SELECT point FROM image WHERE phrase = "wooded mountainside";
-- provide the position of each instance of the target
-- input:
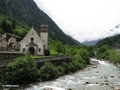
(27, 15)
(112, 42)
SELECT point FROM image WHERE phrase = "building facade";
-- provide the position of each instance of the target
(12, 41)
(36, 45)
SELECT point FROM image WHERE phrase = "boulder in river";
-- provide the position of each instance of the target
(86, 83)
(47, 88)
(116, 88)
(101, 83)
(106, 81)
(97, 72)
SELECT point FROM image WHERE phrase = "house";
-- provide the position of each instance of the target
(12, 41)
(35, 44)
(3, 44)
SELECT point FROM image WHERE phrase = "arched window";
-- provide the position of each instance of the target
(32, 39)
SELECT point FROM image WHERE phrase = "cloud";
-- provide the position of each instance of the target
(84, 19)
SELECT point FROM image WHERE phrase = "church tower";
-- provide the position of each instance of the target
(44, 33)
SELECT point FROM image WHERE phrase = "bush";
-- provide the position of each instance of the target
(85, 55)
(48, 71)
(21, 70)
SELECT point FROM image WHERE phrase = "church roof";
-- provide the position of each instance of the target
(32, 33)
(1, 38)
(31, 44)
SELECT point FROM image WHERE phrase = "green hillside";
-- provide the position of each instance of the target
(111, 42)
(27, 14)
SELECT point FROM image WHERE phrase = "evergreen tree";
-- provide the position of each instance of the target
(4, 25)
(13, 24)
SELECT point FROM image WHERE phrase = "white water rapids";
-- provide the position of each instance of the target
(103, 76)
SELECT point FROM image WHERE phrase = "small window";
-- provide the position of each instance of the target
(23, 49)
(39, 50)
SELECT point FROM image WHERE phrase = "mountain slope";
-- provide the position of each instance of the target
(112, 41)
(90, 43)
(27, 11)
(74, 40)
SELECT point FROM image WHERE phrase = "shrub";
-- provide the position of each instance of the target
(48, 71)
(21, 70)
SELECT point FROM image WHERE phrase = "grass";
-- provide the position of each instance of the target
(53, 52)
(39, 56)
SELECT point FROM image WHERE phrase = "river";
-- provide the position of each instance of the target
(103, 76)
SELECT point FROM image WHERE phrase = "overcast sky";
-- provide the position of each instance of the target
(84, 19)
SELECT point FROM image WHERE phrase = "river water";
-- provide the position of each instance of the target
(103, 76)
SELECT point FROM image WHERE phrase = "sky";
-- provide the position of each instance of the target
(84, 20)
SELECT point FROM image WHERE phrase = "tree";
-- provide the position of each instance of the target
(13, 24)
(21, 70)
(4, 25)
(59, 47)
(9, 29)
(84, 54)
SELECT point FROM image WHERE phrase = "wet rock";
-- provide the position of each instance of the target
(97, 72)
(105, 77)
(47, 88)
(69, 89)
(111, 85)
(101, 77)
(106, 81)
(94, 67)
(86, 83)
(112, 76)
(118, 76)
(101, 83)
(116, 88)
(96, 83)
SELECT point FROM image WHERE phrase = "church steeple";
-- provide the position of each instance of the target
(44, 33)
(44, 26)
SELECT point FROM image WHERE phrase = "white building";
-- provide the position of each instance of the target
(36, 45)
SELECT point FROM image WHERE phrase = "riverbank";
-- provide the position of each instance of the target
(100, 75)
(109, 61)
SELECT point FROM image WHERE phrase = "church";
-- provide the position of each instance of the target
(35, 44)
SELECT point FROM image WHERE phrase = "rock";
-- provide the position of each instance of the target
(94, 67)
(112, 76)
(101, 83)
(47, 88)
(97, 72)
(105, 77)
(96, 83)
(111, 85)
(101, 77)
(86, 83)
(106, 81)
(116, 88)
(69, 89)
